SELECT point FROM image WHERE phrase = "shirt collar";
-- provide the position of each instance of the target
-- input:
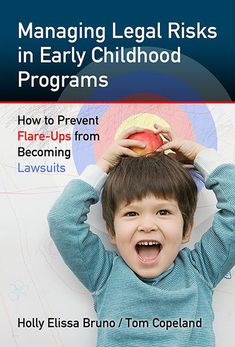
(156, 279)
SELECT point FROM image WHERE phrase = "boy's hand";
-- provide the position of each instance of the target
(185, 150)
(121, 147)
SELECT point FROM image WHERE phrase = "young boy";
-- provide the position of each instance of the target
(150, 293)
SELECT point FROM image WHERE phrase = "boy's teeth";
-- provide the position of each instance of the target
(148, 243)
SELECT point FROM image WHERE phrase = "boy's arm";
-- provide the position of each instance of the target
(81, 250)
(214, 254)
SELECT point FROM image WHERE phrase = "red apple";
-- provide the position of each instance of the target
(149, 138)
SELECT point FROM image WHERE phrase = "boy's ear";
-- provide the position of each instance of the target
(188, 233)
(112, 237)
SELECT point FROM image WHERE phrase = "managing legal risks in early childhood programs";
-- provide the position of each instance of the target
(47, 36)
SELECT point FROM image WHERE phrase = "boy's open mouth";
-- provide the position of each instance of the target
(148, 251)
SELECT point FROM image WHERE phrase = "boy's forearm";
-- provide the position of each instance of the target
(81, 249)
(207, 160)
(95, 176)
(214, 254)
(217, 245)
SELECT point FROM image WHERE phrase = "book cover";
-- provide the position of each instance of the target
(73, 77)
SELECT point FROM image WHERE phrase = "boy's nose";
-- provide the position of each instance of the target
(147, 226)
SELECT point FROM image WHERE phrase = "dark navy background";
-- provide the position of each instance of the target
(217, 55)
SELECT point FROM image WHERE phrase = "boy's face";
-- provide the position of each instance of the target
(148, 234)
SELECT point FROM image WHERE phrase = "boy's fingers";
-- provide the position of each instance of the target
(162, 129)
(169, 145)
(166, 132)
(131, 143)
(127, 132)
(128, 152)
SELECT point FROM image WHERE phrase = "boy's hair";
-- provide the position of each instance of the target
(158, 175)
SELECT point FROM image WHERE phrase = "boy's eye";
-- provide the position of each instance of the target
(163, 212)
(131, 214)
